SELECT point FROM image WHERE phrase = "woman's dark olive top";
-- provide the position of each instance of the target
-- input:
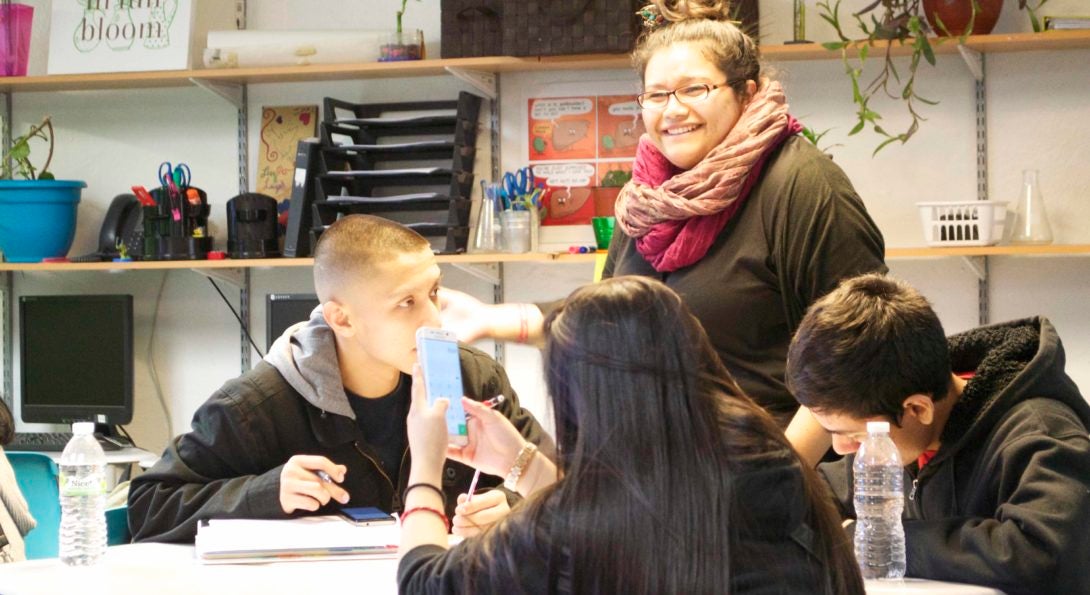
(801, 231)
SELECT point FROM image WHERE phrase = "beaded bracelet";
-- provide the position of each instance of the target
(442, 496)
(436, 512)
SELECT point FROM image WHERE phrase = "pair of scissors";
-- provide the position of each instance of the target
(182, 175)
(167, 179)
(179, 175)
(520, 183)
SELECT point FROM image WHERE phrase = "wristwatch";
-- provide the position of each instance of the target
(521, 462)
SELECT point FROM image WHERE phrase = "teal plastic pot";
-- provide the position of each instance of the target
(37, 218)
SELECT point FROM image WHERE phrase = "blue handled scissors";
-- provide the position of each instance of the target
(179, 175)
(520, 183)
(182, 175)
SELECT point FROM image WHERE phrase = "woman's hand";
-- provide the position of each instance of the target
(426, 428)
(471, 517)
(494, 442)
(301, 488)
(464, 314)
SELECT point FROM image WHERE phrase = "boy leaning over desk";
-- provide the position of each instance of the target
(331, 397)
(996, 454)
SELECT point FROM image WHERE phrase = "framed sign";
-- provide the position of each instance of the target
(119, 35)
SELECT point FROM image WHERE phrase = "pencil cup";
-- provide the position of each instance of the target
(603, 231)
(516, 231)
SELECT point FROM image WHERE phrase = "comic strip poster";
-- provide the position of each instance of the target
(582, 147)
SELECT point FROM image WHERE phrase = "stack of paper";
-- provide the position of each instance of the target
(237, 541)
(1066, 23)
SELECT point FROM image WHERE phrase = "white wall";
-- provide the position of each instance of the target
(1037, 116)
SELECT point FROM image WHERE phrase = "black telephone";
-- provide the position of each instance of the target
(124, 220)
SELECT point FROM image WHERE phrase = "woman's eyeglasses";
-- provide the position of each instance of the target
(687, 95)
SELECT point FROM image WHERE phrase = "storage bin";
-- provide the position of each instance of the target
(471, 28)
(555, 27)
(969, 223)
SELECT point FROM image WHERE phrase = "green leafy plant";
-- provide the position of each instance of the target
(17, 159)
(401, 13)
(815, 138)
(900, 23)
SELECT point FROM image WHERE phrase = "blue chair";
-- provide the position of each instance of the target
(36, 475)
(117, 526)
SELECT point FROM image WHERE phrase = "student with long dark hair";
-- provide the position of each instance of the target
(668, 478)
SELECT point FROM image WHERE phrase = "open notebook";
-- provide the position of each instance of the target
(240, 541)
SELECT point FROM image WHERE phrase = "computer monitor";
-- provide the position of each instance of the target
(285, 309)
(76, 358)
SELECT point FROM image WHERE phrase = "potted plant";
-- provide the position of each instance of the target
(900, 22)
(402, 46)
(37, 212)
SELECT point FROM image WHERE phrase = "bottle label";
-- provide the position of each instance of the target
(90, 485)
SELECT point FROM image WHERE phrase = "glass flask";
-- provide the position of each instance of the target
(1031, 219)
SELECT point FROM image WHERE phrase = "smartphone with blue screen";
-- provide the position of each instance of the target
(437, 350)
(367, 515)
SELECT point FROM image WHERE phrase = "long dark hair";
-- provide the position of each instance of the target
(651, 430)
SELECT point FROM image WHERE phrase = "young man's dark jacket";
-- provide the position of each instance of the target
(1005, 502)
(291, 403)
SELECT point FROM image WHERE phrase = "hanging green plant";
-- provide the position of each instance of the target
(898, 22)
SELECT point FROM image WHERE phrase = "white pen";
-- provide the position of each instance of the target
(490, 403)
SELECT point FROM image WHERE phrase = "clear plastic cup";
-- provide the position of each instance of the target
(516, 231)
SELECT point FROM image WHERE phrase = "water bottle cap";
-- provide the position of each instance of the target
(83, 427)
(877, 427)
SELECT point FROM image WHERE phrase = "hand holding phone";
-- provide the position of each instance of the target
(366, 515)
(437, 350)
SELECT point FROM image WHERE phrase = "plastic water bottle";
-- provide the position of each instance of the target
(879, 501)
(83, 498)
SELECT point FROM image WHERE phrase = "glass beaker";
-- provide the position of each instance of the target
(1031, 220)
(486, 225)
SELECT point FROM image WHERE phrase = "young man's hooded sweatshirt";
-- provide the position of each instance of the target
(1005, 502)
(291, 403)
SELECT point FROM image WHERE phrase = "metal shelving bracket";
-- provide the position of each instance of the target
(977, 265)
(485, 82)
(487, 272)
(974, 60)
(232, 92)
(235, 277)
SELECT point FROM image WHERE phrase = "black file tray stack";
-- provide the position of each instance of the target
(411, 168)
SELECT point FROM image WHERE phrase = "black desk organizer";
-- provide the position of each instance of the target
(167, 239)
(378, 170)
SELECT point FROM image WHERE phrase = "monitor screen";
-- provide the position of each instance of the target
(76, 358)
(285, 309)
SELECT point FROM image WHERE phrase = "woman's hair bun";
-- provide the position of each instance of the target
(663, 12)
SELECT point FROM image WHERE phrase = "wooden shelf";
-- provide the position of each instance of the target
(1016, 42)
(252, 263)
(542, 257)
(1012, 250)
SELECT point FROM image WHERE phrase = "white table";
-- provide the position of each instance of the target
(162, 569)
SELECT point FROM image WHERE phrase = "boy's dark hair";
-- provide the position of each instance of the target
(865, 347)
(353, 244)
(7, 423)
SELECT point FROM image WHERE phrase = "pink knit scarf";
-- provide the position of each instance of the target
(675, 215)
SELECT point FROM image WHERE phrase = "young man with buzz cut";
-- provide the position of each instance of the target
(330, 398)
(991, 430)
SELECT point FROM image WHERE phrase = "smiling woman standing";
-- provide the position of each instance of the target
(728, 205)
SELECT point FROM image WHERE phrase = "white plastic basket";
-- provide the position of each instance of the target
(969, 223)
